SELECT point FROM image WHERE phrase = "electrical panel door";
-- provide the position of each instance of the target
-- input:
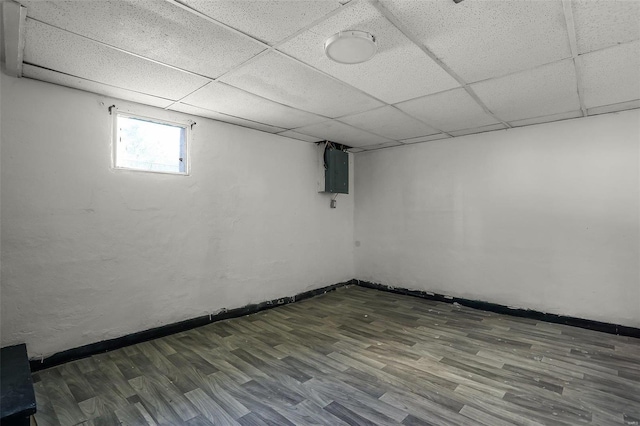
(336, 174)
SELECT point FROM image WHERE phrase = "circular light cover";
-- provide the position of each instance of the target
(350, 47)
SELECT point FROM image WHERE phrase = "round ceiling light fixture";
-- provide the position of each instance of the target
(350, 47)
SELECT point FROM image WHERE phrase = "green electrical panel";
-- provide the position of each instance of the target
(336, 173)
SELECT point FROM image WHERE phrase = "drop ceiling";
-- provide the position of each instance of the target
(442, 69)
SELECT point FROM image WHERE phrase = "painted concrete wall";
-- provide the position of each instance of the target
(89, 253)
(544, 217)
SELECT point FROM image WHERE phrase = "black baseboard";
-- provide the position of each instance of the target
(165, 330)
(605, 327)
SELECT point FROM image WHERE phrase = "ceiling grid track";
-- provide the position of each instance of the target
(110, 46)
(249, 93)
(404, 30)
(211, 79)
(266, 45)
(177, 101)
(274, 48)
(93, 81)
(425, 122)
(401, 111)
(286, 128)
(329, 76)
(247, 62)
(267, 48)
(209, 19)
(519, 71)
(216, 22)
(318, 21)
(573, 43)
(351, 87)
(365, 131)
(236, 117)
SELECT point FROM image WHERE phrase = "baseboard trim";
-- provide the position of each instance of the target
(604, 327)
(165, 330)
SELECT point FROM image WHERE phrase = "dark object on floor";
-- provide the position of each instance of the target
(17, 400)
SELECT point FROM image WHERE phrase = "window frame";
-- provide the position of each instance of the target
(187, 126)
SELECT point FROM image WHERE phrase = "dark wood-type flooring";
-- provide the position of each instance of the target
(355, 356)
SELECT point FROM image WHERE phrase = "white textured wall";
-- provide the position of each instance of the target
(89, 253)
(543, 217)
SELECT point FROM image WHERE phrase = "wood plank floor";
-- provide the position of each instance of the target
(355, 356)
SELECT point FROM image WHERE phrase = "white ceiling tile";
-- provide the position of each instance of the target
(614, 108)
(54, 77)
(547, 118)
(201, 112)
(154, 29)
(270, 21)
(382, 145)
(545, 90)
(232, 101)
(482, 39)
(425, 138)
(452, 110)
(482, 129)
(396, 57)
(62, 51)
(284, 80)
(336, 131)
(389, 122)
(300, 136)
(612, 75)
(355, 150)
(603, 23)
(513, 53)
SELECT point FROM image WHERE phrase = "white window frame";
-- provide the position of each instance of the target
(114, 141)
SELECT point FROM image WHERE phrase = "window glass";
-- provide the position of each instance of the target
(150, 146)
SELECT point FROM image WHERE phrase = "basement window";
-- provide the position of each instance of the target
(150, 145)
